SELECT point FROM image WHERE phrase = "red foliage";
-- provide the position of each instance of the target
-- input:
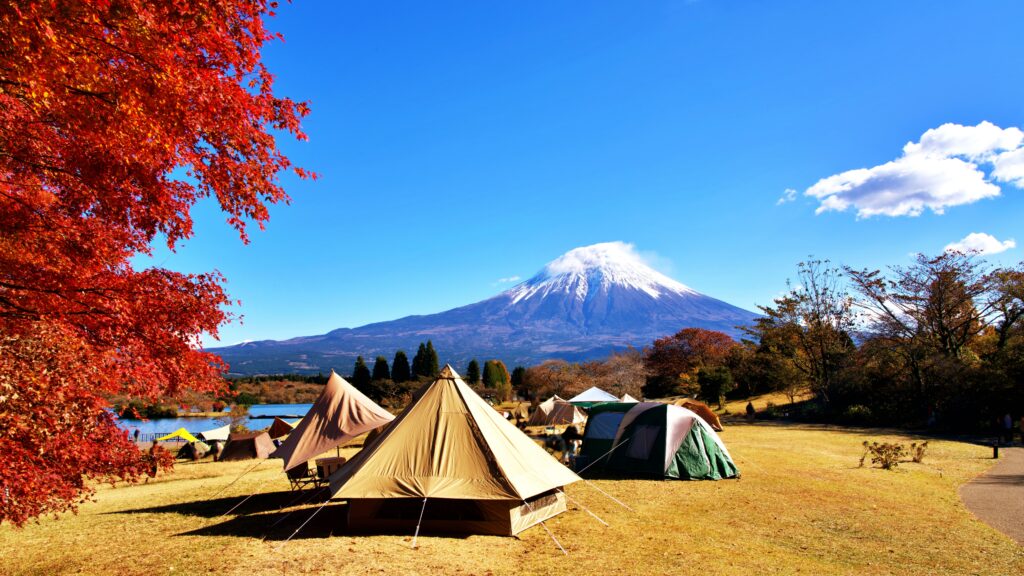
(688, 350)
(116, 117)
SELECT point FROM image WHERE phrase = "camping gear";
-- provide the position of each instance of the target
(702, 410)
(179, 433)
(301, 476)
(651, 439)
(339, 414)
(280, 428)
(555, 411)
(521, 411)
(450, 463)
(592, 396)
(246, 446)
(193, 450)
(221, 434)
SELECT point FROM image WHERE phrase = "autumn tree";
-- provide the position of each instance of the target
(400, 368)
(673, 361)
(380, 369)
(116, 118)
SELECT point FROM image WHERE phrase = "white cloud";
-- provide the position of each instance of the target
(508, 279)
(941, 170)
(981, 243)
(788, 195)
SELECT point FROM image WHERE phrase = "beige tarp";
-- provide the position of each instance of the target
(281, 427)
(340, 414)
(554, 412)
(179, 433)
(448, 443)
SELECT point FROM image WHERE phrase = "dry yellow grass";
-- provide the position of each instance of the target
(802, 506)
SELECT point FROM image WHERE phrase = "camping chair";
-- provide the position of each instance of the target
(301, 476)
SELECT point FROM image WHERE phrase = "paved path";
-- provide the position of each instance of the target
(997, 497)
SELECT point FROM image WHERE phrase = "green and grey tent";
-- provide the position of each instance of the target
(654, 440)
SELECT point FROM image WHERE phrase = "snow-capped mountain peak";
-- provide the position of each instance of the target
(598, 267)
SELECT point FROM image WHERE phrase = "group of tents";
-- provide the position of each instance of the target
(450, 462)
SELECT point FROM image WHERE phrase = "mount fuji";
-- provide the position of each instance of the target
(581, 306)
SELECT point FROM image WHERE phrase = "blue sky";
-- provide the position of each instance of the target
(462, 143)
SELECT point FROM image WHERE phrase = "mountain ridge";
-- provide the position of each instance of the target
(580, 306)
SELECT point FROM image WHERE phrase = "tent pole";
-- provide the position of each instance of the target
(303, 525)
(576, 502)
(418, 523)
(236, 480)
(548, 530)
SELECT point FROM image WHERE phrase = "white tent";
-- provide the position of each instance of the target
(628, 398)
(593, 394)
(221, 433)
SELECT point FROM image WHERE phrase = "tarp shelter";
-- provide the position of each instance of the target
(628, 398)
(221, 433)
(555, 411)
(451, 457)
(179, 433)
(651, 439)
(702, 410)
(521, 411)
(340, 414)
(280, 428)
(246, 446)
(592, 396)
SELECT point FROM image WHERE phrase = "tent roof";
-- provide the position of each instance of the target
(593, 394)
(221, 433)
(179, 433)
(340, 414)
(280, 427)
(448, 443)
(628, 398)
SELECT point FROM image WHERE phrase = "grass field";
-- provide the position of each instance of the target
(802, 507)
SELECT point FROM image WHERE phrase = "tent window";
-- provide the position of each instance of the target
(642, 441)
(604, 425)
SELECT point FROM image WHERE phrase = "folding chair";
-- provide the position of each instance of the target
(301, 476)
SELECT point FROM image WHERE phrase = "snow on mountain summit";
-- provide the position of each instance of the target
(598, 267)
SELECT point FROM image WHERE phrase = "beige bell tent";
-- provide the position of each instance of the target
(340, 414)
(453, 461)
(555, 412)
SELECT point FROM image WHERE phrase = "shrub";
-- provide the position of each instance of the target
(857, 414)
(885, 454)
(917, 451)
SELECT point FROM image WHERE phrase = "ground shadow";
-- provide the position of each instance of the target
(256, 503)
(999, 480)
(315, 522)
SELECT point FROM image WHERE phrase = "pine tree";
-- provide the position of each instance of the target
(380, 369)
(473, 372)
(432, 367)
(400, 368)
(361, 375)
(518, 376)
(419, 361)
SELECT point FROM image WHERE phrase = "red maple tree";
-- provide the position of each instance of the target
(116, 117)
(687, 351)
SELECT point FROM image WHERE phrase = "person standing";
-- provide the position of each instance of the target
(1008, 428)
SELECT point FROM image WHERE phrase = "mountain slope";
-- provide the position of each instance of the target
(580, 306)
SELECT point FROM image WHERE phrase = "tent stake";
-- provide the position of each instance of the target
(302, 525)
(576, 502)
(418, 523)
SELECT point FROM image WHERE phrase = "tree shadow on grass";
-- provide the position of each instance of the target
(212, 508)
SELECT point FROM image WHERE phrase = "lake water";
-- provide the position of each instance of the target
(260, 416)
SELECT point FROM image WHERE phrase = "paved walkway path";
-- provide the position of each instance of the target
(997, 497)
